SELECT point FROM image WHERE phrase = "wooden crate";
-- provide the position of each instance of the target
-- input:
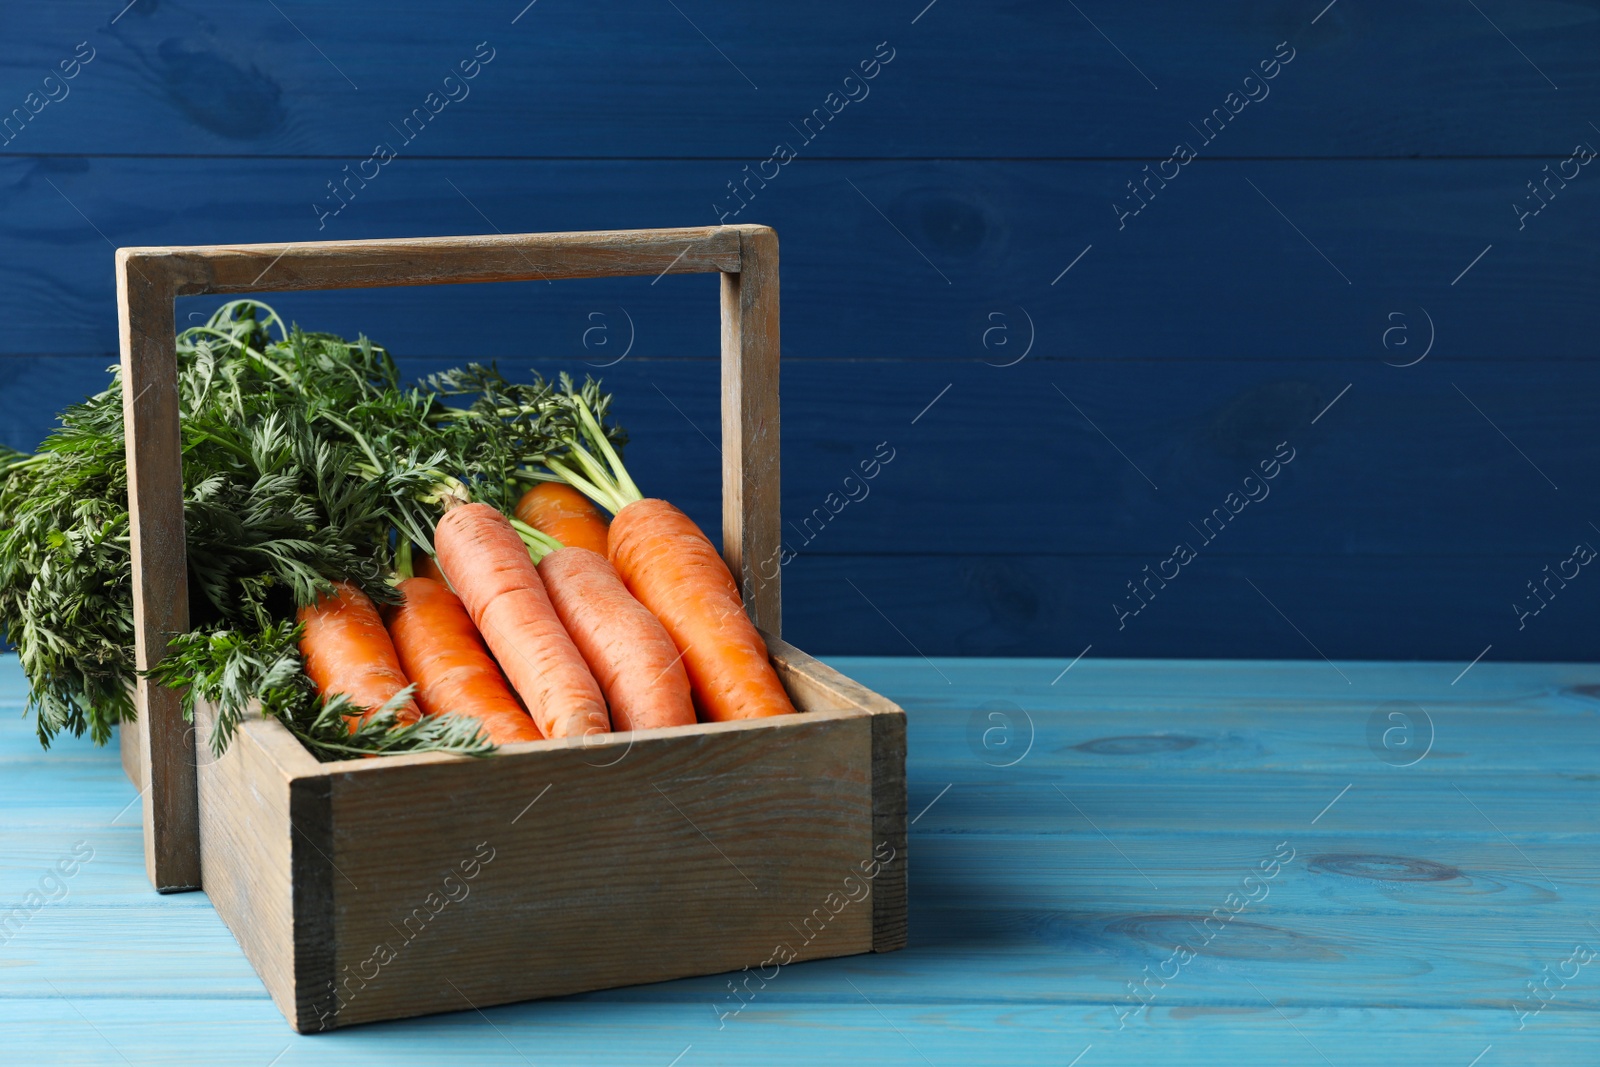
(382, 888)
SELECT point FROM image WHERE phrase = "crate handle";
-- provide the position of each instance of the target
(149, 279)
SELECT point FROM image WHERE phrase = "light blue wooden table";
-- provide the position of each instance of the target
(1071, 832)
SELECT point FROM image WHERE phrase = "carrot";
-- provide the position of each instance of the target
(565, 514)
(491, 571)
(443, 654)
(638, 667)
(427, 567)
(671, 567)
(346, 650)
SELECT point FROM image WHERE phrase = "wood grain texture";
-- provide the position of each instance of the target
(160, 576)
(1250, 340)
(1397, 144)
(752, 525)
(1234, 280)
(310, 945)
(628, 80)
(1399, 462)
(1029, 918)
(440, 260)
(566, 869)
(821, 683)
(561, 868)
(1401, 465)
(260, 869)
(130, 749)
(566, 1032)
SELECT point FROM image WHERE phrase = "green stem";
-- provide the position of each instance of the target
(539, 544)
(31, 461)
(606, 483)
(360, 440)
(230, 446)
(630, 490)
(260, 357)
(584, 486)
(276, 369)
(594, 469)
(448, 490)
(225, 313)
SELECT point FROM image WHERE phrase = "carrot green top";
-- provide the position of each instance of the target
(603, 480)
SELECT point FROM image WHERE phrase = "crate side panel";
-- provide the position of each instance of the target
(128, 749)
(546, 873)
(317, 993)
(814, 686)
(890, 905)
(245, 853)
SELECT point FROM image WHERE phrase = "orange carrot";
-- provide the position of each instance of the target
(565, 514)
(346, 650)
(427, 567)
(670, 566)
(638, 667)
(443, 654)
(490, 569)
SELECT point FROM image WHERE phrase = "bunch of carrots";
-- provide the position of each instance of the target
(367, 562)
(553, 622)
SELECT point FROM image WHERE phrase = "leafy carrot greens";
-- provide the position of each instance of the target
(305, 460)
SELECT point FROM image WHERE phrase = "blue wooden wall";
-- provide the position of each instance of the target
(1079, 268)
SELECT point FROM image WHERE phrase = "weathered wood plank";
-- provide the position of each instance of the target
(160, 578)
(251, 827)
(1404, 922)
(1026, 920)
(1348, 607)
(130, 747)
(715, 851)
(441, 260)
(1232, 280)
(1026, 801)
(812, 681)
(752, 525)
(1401, 466)
(239, 1034)
(1425, 77)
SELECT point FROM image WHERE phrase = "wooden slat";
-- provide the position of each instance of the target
(442, 260)
(580, 82)
(791, 1029)
(1403, 488)
(1027, 902)
(997, 604)
(818, 682)
(160, 579)
(310, 945)
(691, 853)
(1029, 921)
(1401, 466)
(751, 521)
(130, 748)
(249, 801)
(1234, 281)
